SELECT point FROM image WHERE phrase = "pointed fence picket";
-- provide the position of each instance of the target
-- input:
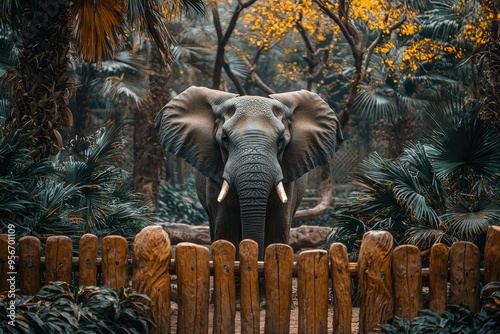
(389, 279)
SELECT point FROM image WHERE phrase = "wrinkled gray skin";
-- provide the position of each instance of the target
(253, 143)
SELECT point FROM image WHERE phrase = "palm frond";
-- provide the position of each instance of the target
(376, 197)
(412, 195)
(18, 177)
(375, 103)
(424, 236)
(347, 230)
(426, 87)
(416, 159)
(77, 172)
(156, 24)
(115, 88)
(4, 110)
(472, 219)
(186, 6)
(440, 21)
(124, 62)
(466, 150)
(108, 146)
(123, 77)
(99, 25)
(9, 14)
(193, 55)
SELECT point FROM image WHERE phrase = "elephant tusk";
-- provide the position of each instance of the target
(281, 192)
(223, 191)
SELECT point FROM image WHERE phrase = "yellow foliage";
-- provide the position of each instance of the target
(271, 21)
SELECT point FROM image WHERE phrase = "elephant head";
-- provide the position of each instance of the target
(248, 144)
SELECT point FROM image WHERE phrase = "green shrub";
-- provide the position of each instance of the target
(60, 308)
(179, 203)
(455, 319)
(444, 188)
(83, 189)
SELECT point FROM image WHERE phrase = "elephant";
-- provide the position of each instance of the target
(251, 154)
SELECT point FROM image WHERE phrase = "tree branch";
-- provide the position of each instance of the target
(326, 188)
(268, 90)
(376, 41)
(234, 79)
(343, 28)
(224, 39)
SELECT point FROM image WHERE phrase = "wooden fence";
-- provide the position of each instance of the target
(389, 279)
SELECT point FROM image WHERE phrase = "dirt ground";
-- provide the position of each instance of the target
(294, 320)
(294, 317)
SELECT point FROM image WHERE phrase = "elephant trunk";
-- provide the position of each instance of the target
(253, 218)
(253, 190)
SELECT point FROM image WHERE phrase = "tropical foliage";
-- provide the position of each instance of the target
(61, 308)
(455, 319)
(441, 189)
(488, 59)
(179, 204)
(82, 190)
(46, 30)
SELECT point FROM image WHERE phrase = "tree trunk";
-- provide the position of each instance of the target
(326, 189)
(41, 89)
(148, 153)
(83, 99)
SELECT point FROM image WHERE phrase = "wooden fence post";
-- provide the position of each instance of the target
(464, 274)
(152, 255)
(58, 259)
(193, 280)
(407, 277)
(223, 257)
(29, 265)
(87, 274)
(492, 255)
(278, 270)
(375, 280)
(341, 286)
(114, 261)
(438, 277)
(313, 294)
(249, 279)
(4, 265)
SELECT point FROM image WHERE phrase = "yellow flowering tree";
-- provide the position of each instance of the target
(395, 39)
(321, 25)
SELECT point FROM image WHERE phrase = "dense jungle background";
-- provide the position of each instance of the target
(414, 83)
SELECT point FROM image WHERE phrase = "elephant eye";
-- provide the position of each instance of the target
(225, 141)
(281, 141)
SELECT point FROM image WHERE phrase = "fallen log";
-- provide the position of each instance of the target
(302, 237)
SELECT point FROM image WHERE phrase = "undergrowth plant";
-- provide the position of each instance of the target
(444, 188)
(83, 189)
(179, 203)
(61, 308)
(455, 318)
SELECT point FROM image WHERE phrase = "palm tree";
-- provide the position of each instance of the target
(81, 190)
(8, 61)
(489, 67)
(443, 189)
(148, 152)
(122, 78)
(45, 28)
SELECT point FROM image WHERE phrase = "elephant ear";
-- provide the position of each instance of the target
(185, 127)
(315, 133)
